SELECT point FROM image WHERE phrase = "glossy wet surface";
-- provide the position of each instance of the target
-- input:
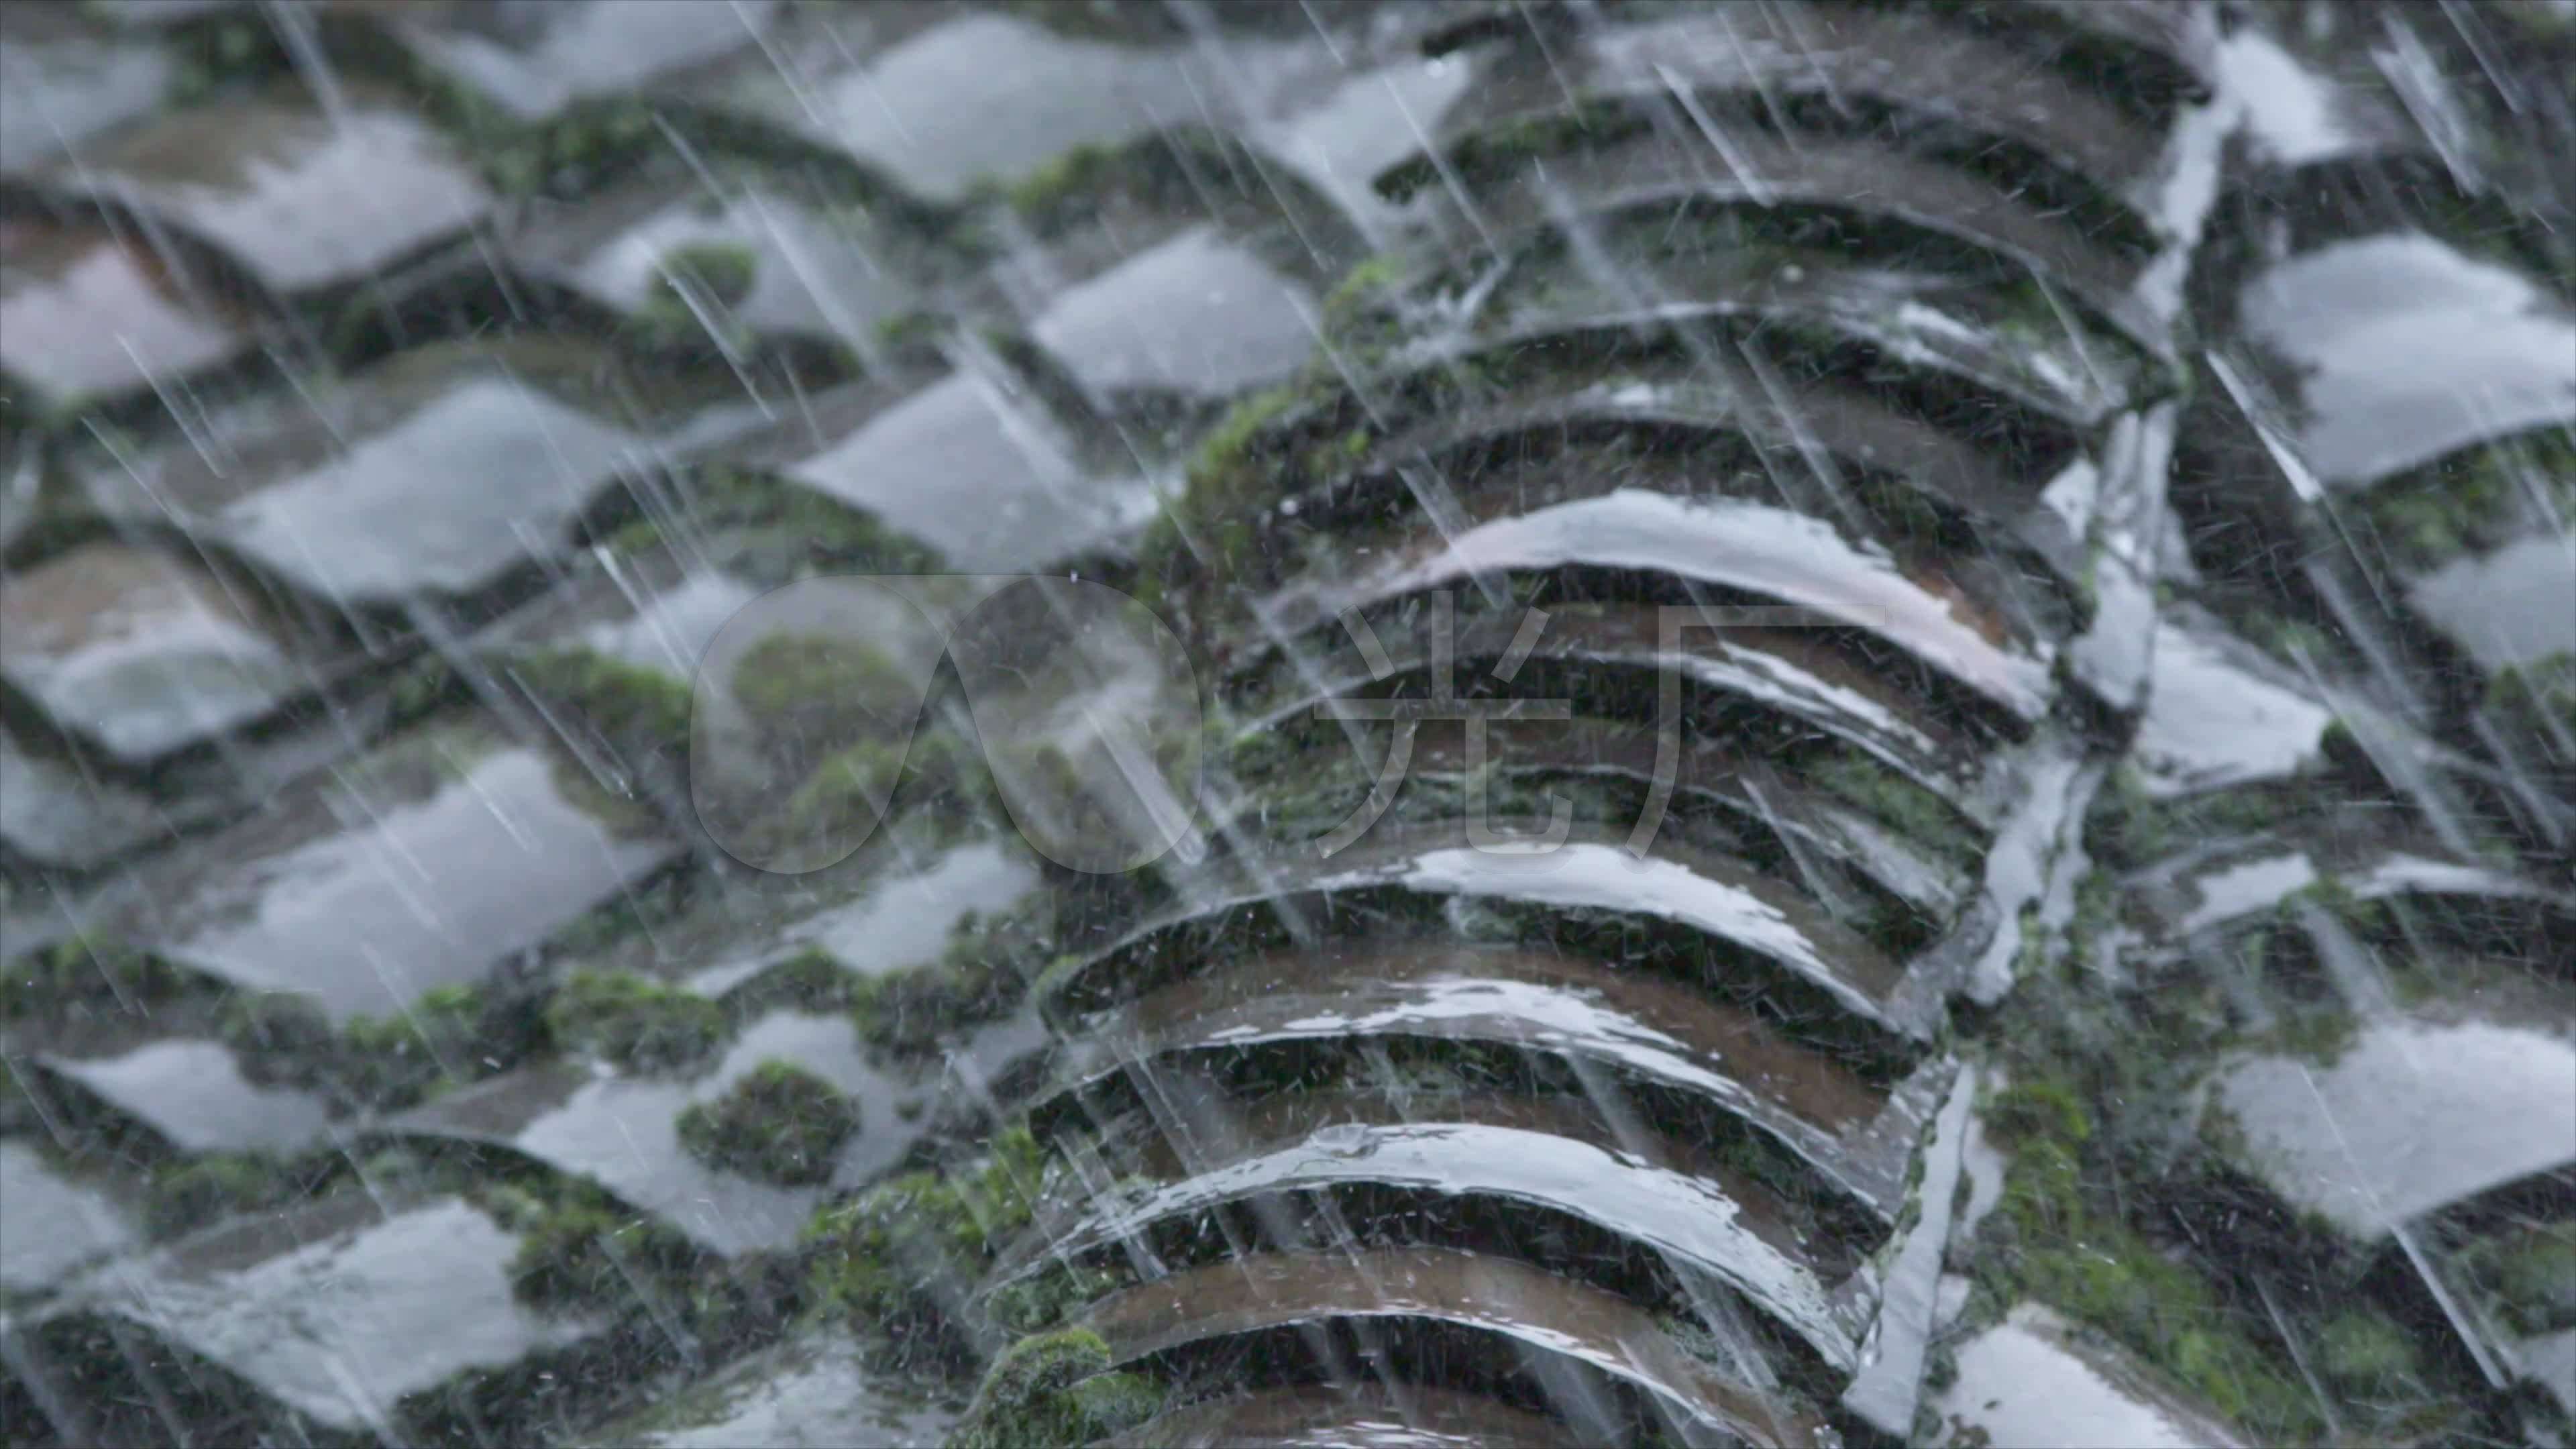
(537, 56)
(54, 1226)
(1675, 882)
(63, 82)
(1795, 558)
(341, 1309)
(1637, 1185)
(981, 475)
(2029, 1383)
(90, 314)
(53, 814)
(1657, 1030)
(811, 271)
(1195, 315)
(423, 480)
(303, 199)
(578, 347)
(1314, 1418)
(623, 1133)
(193, 1096)
(1547, 1313)
(2414, 1114)
(332, 896)
(2406, 350)
(140, 652)
(807, 1393)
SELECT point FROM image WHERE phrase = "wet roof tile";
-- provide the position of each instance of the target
(2402, 350)
(64, 81)
(2036, 1382)
(2507, 609)
(2219, 713)
(91, 315)
(422, 865)
(435, 475)
(1899, 59)
(140, 652)
(52, 814)
(811, 272)
(622, 1131)
(193, 1094)
(954, 104)
(813, 1391)
(1549, 1314)
(302, 199)
(403, 1299)
(52, 1225)
(2417, 1113)
(984, 477)
(535, 57)
(1196, 314)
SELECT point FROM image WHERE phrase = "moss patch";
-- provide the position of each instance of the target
(723, 271)
(2126, 828)
(632, 705)
(635, 1021)
(1055, 1391)
(77, 976)
(811, 687)
(813, 979)
(1924, 819)
(578, 1247)
(211, 1186)
(2534, 707)
(2528, 1271)
(780, 1124)
(783, 531)
(2472, 501)
(398, 1059)
(893, 1259)
(982, 976)
(2056, 1236)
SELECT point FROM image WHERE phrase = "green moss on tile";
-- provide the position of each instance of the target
(2126, 828)
(92, 977)
(2472, 501)
(2528, 1272)
(810, 684)
(396, 1060)
(725, 271)
(277, 1035)
(813, 979)
(633, 705)
(783, 530)
(1048, 1297)
(1924, 819)
(1055, 1391)
(983, 975)
(780, 1124)
(2056, 1236)
(212, 1186)
(1202, 531)
(845, 796)
(2364, 1353)
(891, 1260)
(580, 1248)
(1177, 172)
(2534, 707)
(1506, 149)
(637, 1022)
